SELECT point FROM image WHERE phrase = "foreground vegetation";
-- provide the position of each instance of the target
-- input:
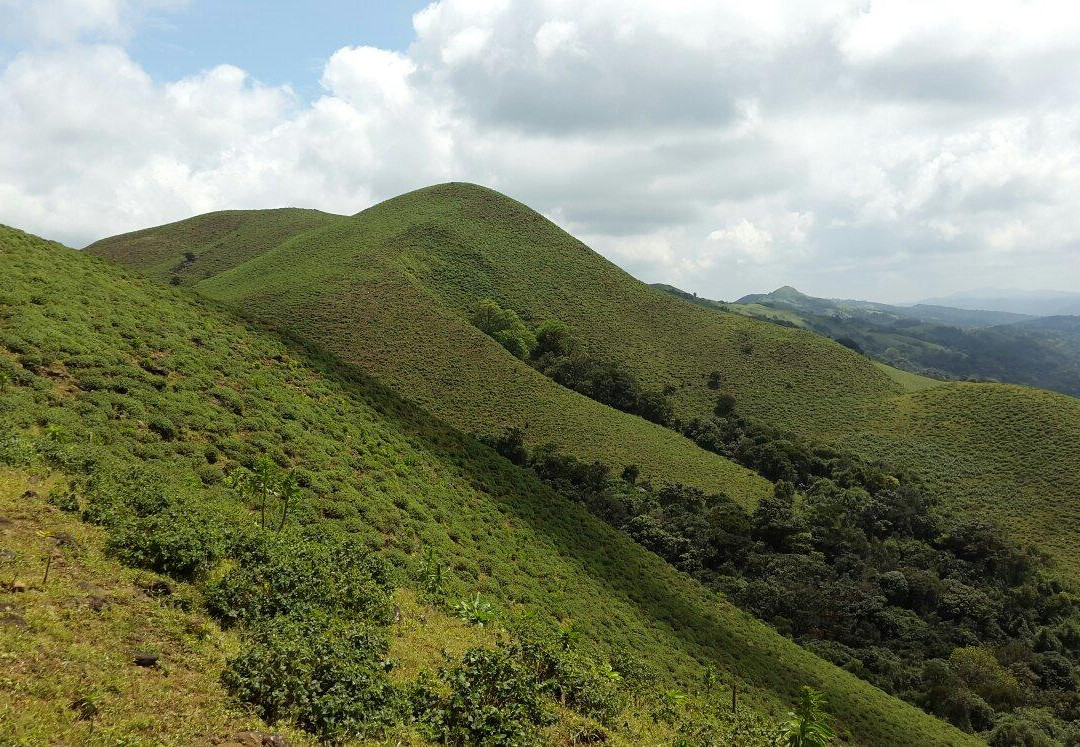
(289, 491)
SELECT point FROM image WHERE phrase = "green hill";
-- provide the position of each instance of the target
(135, 399)
(390, 288)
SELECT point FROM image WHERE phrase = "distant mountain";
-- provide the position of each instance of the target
(1036, 303)
(792, 299)
(936, 341)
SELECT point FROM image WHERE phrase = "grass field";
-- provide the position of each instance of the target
(389, 289)
(100, 364)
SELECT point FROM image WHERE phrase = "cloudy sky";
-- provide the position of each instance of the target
(886, 149)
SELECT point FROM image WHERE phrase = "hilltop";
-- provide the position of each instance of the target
(390, 289)
(130, 402)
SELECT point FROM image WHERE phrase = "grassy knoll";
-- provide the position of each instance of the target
(105, 371)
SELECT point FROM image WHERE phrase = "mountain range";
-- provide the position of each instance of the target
(937, 341)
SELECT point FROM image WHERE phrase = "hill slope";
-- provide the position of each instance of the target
(390, 287)
(102, 368)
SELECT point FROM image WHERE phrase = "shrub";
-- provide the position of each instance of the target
(505, 327)
(162, 426)
(15, 450)
(493, 700)
(725, 405)
(476, 611)
(326, 675)
(180, 541)
(809, 723)
(282, 573)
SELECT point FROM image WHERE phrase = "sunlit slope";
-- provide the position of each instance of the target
(390, 287)
(347, 289)
(208, 244)
(88, 346)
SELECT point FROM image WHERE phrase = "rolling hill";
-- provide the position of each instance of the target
(131, 400)
(390, 288)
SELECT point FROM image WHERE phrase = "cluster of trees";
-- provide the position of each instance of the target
(553, 350)
(860, 565)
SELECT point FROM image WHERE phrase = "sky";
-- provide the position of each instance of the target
(882, 149)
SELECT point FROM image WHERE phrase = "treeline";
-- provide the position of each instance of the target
(856, 562)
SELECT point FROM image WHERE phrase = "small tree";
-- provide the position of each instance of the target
(554, 338)
(725, 405)
(504, 326)
(809, 723)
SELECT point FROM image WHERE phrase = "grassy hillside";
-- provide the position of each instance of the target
(352, 289)
(68, 643)
(105, 373)
(390, 288)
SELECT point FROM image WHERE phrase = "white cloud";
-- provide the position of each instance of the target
(65, 21)
(892, 148)
(743, 240)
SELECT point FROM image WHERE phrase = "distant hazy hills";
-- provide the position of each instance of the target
(937, 340)
(1035, 303)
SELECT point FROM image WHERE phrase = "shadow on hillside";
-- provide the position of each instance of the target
(700, 623)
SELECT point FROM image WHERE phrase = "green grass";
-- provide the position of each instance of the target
(348, 289)
(389, 289)
(94, 356)
(911, 382)
(73, 639)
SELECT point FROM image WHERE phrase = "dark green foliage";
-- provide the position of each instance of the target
(505, 327)
(181, 540)
(326, 675)
(561, 357)
(725, 405)
(286, 573)
(860, 567)
(494, 700)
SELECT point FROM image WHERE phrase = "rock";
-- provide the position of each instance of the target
(97, 603)
(11, 620)
(144, 659)
(65, 539)
(34, 480)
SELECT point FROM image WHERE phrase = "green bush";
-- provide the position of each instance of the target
(505, 327)
(15, 450)
(326, 675)
(180, 541)
(280, 573)
(494, 700)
